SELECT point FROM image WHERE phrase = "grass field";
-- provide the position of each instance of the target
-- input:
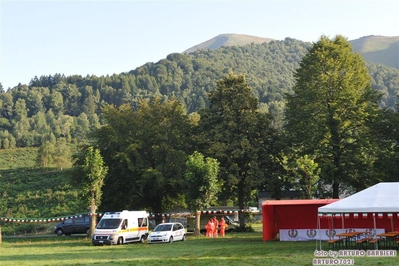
(234, 249)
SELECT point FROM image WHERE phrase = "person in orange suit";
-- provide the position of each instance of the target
(222, 225)
(216, 229)
(209, 228)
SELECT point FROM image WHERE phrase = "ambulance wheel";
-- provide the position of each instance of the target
(120, 241)
(142, 239)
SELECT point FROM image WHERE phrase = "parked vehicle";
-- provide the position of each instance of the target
(121, 227)
(76, 225)
(167, 232)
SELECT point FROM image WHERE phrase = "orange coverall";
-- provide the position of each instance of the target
(209, 228)
(215, 231)
(222, 226)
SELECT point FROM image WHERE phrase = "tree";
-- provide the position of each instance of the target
(202, 184)
(62, 156)
(146, 150)
(241, 138)
(94, 171)
(329, 113)
(386, 130)
(56, 102)
(45, 154)
(305, 174)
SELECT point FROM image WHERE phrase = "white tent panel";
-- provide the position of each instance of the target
(382, 197)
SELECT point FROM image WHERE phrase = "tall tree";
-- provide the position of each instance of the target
(233, 131)
(328, 114)
(94, 171)
(146, 150)
(202, 184)
(386, 130)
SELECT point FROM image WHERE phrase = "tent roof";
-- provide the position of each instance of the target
(299, 202)
(382, 197)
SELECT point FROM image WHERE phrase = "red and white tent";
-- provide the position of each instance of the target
(374, 207)
(380, 198)
(377, 205)
(290, 214)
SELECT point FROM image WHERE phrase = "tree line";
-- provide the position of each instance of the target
(69, 107)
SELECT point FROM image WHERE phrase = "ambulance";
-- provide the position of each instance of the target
(121, 227)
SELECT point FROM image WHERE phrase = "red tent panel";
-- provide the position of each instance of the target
(302, 214)
(290, 214)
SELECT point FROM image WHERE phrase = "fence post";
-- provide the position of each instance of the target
(0, 235)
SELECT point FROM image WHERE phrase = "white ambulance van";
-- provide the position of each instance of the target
(121, 227)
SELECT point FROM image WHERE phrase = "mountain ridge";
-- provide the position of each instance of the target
(374, 48)
(227, 39)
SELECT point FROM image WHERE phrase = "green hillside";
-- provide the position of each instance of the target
(375, 49)
(378, 49)
(21, 158)
(59, 109)
(31, 192)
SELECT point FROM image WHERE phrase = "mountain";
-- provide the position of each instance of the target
(375, 49)
(227, 40)
(378, 49)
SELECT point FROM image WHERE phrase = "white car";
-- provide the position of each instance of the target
(167, 232)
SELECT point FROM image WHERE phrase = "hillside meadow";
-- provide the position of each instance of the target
(18, 158)
(30, 192)
(234, 249)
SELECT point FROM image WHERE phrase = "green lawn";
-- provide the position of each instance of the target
(234, 249)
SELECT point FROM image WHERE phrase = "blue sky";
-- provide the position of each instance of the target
(106, 37)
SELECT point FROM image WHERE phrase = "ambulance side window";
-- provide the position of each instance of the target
(145, 222)
(124, 224)
(140, 221)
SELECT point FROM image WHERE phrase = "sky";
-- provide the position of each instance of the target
(95, 37)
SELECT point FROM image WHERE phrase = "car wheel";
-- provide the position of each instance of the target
(171, 239)
(184, 238)
(88, 231)
(59, 232)
(120, 241)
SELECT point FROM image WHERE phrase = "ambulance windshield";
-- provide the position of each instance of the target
(109, 223)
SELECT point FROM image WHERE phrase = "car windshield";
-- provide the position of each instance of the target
(163, 227)
(109, 223)
(229, 219)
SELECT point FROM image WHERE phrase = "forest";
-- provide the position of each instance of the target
(54, 115)
(58, 107)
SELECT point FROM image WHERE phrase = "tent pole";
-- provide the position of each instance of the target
(375, 230)
(318, 227)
